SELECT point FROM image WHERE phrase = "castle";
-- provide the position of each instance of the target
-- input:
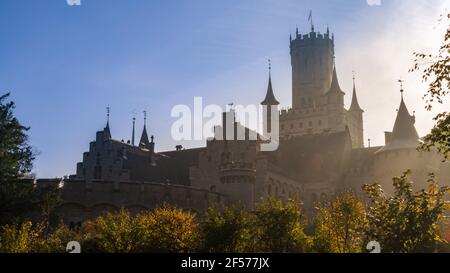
(321, 152)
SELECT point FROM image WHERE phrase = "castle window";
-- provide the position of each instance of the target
(320, 122)
(292, 126)
(310, 124)
(301, 125)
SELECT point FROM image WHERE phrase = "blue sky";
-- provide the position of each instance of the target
(64, 64)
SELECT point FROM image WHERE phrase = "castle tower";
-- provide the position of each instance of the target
(270, 104)
(312, 66)
(355, 120)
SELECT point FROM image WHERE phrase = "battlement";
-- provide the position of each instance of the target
(289, 113)
(310, 38)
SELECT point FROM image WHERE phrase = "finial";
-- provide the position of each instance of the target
(311, 20)
(270, 66)
(152, 138)
(401, 87)
(328, 30)
(296, 32)
(290, 37)
(108, 109)
(353, 72)
(145, 117)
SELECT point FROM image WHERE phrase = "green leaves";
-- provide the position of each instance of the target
(408, 220)
(340, 225)
(16, 157)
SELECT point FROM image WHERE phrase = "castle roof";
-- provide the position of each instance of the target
(335, 88)
(107, 132)
(270, 97)
(355, 105)
(144, 138)
(404, 133)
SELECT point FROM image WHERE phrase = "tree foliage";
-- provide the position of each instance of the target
(161, 230)
(340, 225)
(227, 230)
(436, 70)
(280, 227)
(16, 161)
(408, 221)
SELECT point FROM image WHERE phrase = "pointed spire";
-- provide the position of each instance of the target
(270, 97)
(328, 30)
(107, 131)
(355, 105)
(335, 83)
(290, 37)
(311, 20)
(144, 137)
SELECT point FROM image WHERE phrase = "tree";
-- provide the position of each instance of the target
(117, 233)
(280, 227)
(437, 71)
(227, 230)
(407, 221)
(340, 225)
(16, 157)
(20, 238)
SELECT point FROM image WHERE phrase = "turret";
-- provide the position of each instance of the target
(270, 104)
(355, 120)
(144, 142)
(404, 134)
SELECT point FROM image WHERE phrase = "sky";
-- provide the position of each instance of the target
(65, 64)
